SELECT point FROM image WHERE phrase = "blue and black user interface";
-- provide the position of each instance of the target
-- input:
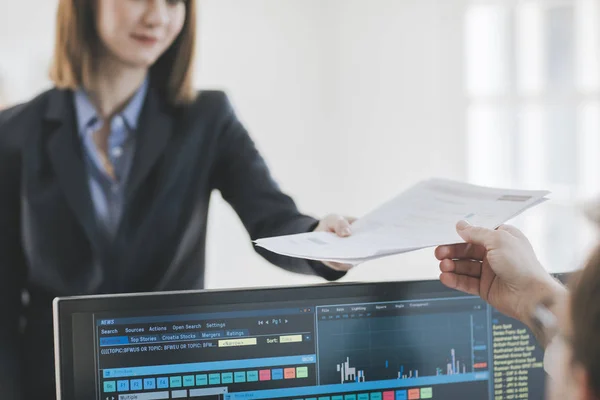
(429, 348)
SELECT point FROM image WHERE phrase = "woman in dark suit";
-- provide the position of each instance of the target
(106, 178)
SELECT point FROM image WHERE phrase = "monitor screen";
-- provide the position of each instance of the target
(389, 341)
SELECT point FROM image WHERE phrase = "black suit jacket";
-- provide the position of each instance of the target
(49, 241)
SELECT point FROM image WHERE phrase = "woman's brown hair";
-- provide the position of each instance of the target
(77, 45)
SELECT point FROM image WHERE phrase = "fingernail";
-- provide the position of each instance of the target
(347, 231)
(463, 224)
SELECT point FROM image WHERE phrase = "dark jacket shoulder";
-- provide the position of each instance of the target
(211, 106)
(217, 100)
(17, 121)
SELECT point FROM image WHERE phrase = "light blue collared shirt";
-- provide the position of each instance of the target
(108, 193)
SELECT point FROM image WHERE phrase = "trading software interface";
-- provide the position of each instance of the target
(437, 348)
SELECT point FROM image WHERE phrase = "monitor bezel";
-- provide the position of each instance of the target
(65, 307)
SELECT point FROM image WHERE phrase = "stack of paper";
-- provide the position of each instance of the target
(423, 216)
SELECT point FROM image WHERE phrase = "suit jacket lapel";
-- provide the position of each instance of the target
(65, 155)
(154, 133)
(151, 139)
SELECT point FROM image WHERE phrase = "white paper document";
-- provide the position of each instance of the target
(423, 216)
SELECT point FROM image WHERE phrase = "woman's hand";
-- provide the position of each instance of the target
(500, 266)
(341, 226)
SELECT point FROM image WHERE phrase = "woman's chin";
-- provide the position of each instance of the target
(139, 63)
(138, 60)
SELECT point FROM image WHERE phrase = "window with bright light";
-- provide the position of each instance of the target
(533, 117)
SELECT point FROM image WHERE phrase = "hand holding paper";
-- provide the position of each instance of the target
(339, 225)
(423, 216)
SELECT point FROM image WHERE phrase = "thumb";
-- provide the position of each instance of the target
(513, 231)
(474, 234)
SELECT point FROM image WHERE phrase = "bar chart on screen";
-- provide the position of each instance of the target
(397, 342)
(454, 366)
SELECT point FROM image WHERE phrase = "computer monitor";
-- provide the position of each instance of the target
(365, 341)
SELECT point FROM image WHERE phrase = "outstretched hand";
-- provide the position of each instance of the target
(341, 226)
(499, 265)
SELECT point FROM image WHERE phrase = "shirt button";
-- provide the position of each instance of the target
(116, 152)
(118, 122)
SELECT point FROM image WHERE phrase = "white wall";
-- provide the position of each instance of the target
(268, 56)
(367, 99)
(350, 101)
(26, 38)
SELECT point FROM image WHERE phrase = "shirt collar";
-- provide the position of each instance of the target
(87, 114)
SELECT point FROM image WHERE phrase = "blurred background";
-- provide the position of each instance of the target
(353, 101)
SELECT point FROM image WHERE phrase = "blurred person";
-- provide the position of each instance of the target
(501, 267)
(106, 178)
(3, 94)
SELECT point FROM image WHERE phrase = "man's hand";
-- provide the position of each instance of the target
(498, 265)
(341, 226)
